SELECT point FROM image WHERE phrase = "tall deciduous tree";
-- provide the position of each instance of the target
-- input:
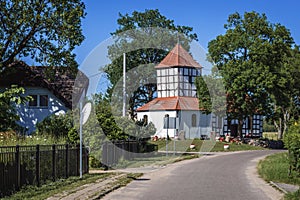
(211, 93)
(285, 95)
(46, 31)
(247, 55)
(146, 37)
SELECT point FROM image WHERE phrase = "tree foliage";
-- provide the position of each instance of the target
(292, 143)
(285, 95)
(46, 31)
(249, 56)
(9, 99)
(147, 37)
(120, 128)
(211, 93)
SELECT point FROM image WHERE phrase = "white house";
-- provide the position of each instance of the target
(175, 112)
(50, 88)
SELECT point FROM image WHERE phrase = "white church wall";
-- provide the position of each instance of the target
(157, 118)
(192, 130)
(202, 128)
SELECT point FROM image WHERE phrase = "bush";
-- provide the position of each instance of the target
(292, 143)
(58, 126)
(94, 162)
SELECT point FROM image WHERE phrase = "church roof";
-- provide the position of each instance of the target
(178, 56)
(171, 103)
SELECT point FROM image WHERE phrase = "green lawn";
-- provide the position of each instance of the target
(270, 135)
(275, 168)
(203, 145)
(156, 160)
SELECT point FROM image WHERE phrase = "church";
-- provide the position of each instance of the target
(175, 112)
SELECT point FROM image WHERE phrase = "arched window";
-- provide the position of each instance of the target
(194, 120)
(145, 119)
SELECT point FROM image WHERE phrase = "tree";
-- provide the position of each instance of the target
(119, 128)
(247, 55)
(211, 93)
(285, 95)
(45, 31)
(147, 37)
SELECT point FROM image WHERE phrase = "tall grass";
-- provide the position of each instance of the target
(276, 168)
(11, 139)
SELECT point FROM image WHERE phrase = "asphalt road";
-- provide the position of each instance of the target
(223, 176)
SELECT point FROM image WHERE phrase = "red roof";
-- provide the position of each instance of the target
(171, 103)
(178, 57)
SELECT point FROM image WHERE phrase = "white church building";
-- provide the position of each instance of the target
(175, 112)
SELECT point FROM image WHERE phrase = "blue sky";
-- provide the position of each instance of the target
(206, 17)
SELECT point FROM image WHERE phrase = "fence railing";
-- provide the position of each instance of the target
(34, 165)
(113, 151)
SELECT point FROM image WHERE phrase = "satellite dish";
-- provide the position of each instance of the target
(86, 111)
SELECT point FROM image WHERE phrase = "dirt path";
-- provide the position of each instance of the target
(92, 190)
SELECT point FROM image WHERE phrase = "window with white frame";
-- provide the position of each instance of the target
(39, 101)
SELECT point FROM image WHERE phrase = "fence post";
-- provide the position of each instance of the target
(78, 159)
(37, 165)
(18, 167)
(53, 162)
(87, 160)
(67, 161)
(104, 155)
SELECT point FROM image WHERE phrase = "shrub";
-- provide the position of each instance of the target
(94, 162)
(292, 143)
(73, 136)
(58, 126)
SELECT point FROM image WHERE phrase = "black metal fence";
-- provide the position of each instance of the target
(113, 151)
(34, 165)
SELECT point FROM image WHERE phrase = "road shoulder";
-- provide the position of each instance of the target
(257, 182)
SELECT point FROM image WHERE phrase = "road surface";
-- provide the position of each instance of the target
(231, 176)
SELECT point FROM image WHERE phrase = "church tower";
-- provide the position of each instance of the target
(176, 74)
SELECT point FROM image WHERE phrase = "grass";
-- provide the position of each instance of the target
(157, 160)
(203, 145)
(115, 185)
(71, 185)
(270, 135)
(292, 196)
(50, 189)
(275, 168)
(11, 139)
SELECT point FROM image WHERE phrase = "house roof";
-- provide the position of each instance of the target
(171, 103)
(59, 80)
(178, 56)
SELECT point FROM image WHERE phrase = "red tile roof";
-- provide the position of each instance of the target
(171, 103)
(178, 56)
